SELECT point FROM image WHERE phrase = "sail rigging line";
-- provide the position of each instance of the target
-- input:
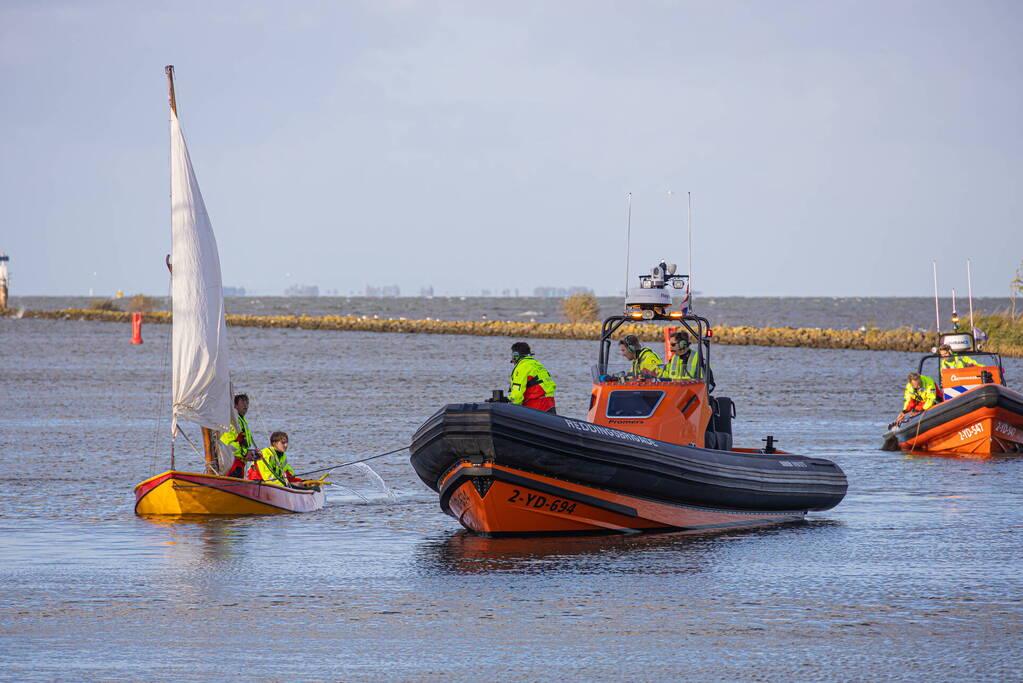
(194, 448)
(165, 380)
(255, 407)
(353, 462)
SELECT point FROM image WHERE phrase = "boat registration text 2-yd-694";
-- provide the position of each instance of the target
(535, 500)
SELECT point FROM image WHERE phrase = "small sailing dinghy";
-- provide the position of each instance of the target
(201, 392)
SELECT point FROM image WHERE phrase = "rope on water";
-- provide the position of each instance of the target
(353, 462)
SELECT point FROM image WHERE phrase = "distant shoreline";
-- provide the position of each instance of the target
(739, 335)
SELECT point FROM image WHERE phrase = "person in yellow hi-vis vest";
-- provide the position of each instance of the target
(949, 361)
(239, 438)
(685, 360)
(645, 363)
(272, 465)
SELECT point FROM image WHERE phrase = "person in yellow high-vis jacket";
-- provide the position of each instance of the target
(272, 464)
(530, 384)
(645, 363)
(921, 394)
(949, 361)
(239, 438)
(685, 360)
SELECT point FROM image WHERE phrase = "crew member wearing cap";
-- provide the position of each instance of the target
(920, 394)
(949, 361)
(645, 363)
(685, 360)
(530, 385)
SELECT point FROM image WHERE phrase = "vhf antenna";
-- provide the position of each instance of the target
(969, 291)
(690, 250)
(628, 239)
(937, 314)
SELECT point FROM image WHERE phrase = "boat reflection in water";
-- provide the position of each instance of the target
(690, 552)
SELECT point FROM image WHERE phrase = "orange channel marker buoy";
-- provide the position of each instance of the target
(136, 328)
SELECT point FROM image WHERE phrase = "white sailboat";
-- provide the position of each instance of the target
(201, 385)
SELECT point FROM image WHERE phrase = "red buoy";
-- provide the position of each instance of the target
(136, 328)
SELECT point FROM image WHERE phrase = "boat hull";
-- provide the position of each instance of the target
(502, 469)
(979, 423)
(192, 493)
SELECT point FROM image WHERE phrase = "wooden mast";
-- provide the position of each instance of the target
(169, 70)
(209, 436)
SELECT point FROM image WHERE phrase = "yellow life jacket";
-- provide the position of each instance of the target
(928, 393)
(646, 364)
(529, 367)
(680, 368)
(273, 466)
(957, 362)
(230, 438)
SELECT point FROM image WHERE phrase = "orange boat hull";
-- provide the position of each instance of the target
(517, 502)
(192, 493)
(980, 433)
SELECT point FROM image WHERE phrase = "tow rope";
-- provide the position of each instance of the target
(353, 462)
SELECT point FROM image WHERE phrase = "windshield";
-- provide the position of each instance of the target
(633, 403)
(622, 372)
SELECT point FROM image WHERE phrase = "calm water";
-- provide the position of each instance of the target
(915, 575)
(828, 312)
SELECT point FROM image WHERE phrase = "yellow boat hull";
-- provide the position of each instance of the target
(193, 493)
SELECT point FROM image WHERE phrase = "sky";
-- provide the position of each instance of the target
(830, 148)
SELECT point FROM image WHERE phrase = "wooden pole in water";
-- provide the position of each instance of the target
(4, 258)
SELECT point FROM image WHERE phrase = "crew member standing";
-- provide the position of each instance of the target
(645, 363)
(239, 438)
(531, 385)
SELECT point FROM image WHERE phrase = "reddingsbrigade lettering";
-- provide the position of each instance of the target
(604, 431)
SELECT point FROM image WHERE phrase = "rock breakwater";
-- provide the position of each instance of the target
(871, 339)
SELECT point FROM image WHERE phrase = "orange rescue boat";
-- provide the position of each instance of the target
(977, 416)
(653, 454)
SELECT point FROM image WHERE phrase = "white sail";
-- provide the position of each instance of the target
(201, 391)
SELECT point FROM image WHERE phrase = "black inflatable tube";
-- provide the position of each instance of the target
(612, 460)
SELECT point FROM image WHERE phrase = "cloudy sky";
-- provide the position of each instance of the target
(831, 148)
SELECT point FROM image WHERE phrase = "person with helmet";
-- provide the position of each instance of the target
(239, 438)
(921, 394)
(645, 363)
(685, 361)
(949, 361)
(530, 385)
